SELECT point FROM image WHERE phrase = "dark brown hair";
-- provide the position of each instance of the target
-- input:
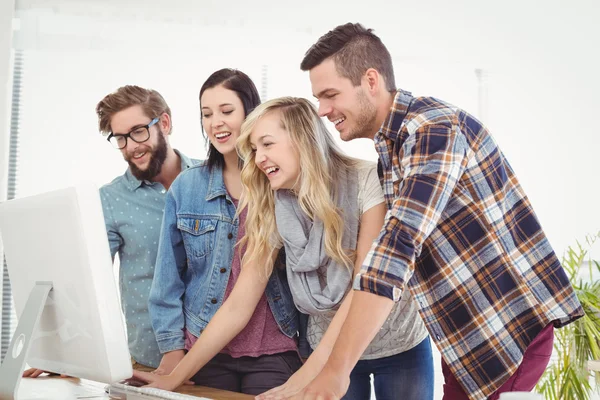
(354, 50)
(245, 89)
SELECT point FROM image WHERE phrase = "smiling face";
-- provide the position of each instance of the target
(274, 152)
(145, 159)
(348, 107)
(222, 117)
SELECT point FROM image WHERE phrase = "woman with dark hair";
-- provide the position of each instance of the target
(235, 81)
(199, 262)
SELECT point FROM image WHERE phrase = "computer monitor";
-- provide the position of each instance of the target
(65, 295)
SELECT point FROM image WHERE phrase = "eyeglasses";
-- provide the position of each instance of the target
(138, 135)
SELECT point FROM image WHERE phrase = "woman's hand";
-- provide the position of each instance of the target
(169, 361)
(294, 385)
(327, 386)
(165, 382)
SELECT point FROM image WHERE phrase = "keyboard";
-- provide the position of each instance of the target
(121, 391)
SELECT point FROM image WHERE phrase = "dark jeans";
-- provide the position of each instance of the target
(406, 376)
(250, 375)
(535, 360)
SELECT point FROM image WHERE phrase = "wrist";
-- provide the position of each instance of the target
(337, 367)
(178, 376)
(309, 370)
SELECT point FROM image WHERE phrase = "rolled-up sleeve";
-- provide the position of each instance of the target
(432, 160)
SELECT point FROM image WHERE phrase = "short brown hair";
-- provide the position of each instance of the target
(354, 49)
(153, 104)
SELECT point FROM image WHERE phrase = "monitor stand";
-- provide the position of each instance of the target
(12, 368)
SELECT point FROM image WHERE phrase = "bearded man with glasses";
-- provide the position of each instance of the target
(137, 121)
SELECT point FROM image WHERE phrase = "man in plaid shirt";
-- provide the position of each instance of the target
(460, 233)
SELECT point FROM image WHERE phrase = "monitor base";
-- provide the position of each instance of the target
(12, 368)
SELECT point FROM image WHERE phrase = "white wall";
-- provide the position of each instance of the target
(6, 18)
(538, 58)
(7, 8)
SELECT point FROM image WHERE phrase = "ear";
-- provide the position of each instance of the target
(372, 79)
(165, 124)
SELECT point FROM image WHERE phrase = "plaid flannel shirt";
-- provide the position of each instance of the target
(461, 234)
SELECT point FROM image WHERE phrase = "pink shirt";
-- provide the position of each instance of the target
(262, 335)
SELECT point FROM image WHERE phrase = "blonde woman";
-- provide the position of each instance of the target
(325, 208)
(302, 193)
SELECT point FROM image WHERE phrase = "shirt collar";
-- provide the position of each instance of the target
(216, 184)
(186, 162)
(135, 183)
(393, 122)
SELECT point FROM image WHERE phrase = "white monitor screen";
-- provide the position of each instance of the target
(60, 237)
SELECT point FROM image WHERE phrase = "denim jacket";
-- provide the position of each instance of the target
(195, 253)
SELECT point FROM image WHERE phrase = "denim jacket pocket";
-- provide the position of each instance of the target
(198, 235)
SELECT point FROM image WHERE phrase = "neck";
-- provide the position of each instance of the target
(169, 170)
(231, 162)
(232, 174)
(383, 109)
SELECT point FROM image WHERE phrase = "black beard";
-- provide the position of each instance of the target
(157, 159)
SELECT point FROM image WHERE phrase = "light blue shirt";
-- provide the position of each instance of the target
(133, 212)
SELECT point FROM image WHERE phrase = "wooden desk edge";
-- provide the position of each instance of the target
(194, 390)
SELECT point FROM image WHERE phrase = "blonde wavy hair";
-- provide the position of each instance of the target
(321, 160)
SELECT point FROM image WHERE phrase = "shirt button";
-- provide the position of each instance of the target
(214, 301)
(163, 191)
(223, 270)
(438, 337)
(229, 235)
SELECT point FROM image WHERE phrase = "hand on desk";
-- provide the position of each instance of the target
(327, 386)
(169, 361)
(165, 382)
(34, 373)
(294, 384)
(160, 378)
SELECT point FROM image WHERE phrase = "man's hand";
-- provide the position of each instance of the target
(169, 361)
(327, 386)
(34, 373)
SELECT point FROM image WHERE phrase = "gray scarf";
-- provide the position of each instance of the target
(318, 283)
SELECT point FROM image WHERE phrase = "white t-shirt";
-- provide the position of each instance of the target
(370, 192)
(404, 328)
